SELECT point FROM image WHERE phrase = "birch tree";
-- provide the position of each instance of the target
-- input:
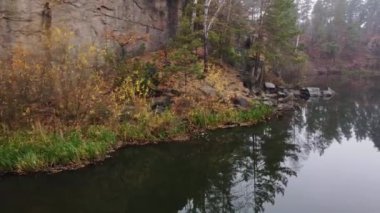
(194, 14)
(208, 23)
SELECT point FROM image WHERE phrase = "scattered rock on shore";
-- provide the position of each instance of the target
(241, 102)
(209, 91)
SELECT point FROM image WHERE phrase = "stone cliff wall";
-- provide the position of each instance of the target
(104, 23)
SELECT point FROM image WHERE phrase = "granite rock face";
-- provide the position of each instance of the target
(93, 22)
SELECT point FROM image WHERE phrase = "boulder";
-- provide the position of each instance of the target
(282, 94)
(285, 107)
(328, 93)
(241, 102)
(270, 96)
(269, 103)
(161, 102)
(209, 91)
(288, 98)
(314, 91)
(295, 93)
(255, 91)
(311, 92)
(269, 86)
(160, 109)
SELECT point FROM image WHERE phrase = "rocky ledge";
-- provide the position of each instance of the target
(288, 98)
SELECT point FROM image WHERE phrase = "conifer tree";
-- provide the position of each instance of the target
(281, 29)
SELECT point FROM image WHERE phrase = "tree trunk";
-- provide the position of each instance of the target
(226, 36)
(173, 9)
(298, 41)
(207, 25)
(205, 55)
(194, 15)
(205, 35)
(258, 71)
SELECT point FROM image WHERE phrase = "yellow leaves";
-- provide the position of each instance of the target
(19, 56)
(93, 97)
(217, 79)
(26, 112)
(61, 35)
(130, 90)
(64, 90)
(92, 49)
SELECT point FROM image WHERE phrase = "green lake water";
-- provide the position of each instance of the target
(322, 159)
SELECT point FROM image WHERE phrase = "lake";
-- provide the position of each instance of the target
(322, 159)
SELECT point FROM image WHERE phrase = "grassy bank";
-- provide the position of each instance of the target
(22, 152)
(39, 150)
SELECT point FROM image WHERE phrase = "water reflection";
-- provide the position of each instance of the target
(256, 171)
(237, 170)
(354, 113)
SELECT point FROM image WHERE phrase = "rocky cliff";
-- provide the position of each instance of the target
(104, 23)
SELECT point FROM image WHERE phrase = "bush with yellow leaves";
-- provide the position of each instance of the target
(62, 90)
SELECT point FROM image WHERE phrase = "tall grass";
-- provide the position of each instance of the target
(154, 127)
(24, 151)
(35, 151)
(204, 118)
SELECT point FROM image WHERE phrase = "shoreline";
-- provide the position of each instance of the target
(267, 114)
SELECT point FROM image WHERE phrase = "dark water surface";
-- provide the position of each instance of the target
(323, 159)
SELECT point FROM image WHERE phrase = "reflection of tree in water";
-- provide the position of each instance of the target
(261, 169)
(251, 174)
(315, 128)
(353, 113)
(264, 170)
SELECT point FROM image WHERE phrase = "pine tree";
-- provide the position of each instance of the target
(281, 29)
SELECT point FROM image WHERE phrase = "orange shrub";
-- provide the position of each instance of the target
(36, 91)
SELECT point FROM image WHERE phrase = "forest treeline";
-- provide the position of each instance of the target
(284, 34)
(345, 30)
